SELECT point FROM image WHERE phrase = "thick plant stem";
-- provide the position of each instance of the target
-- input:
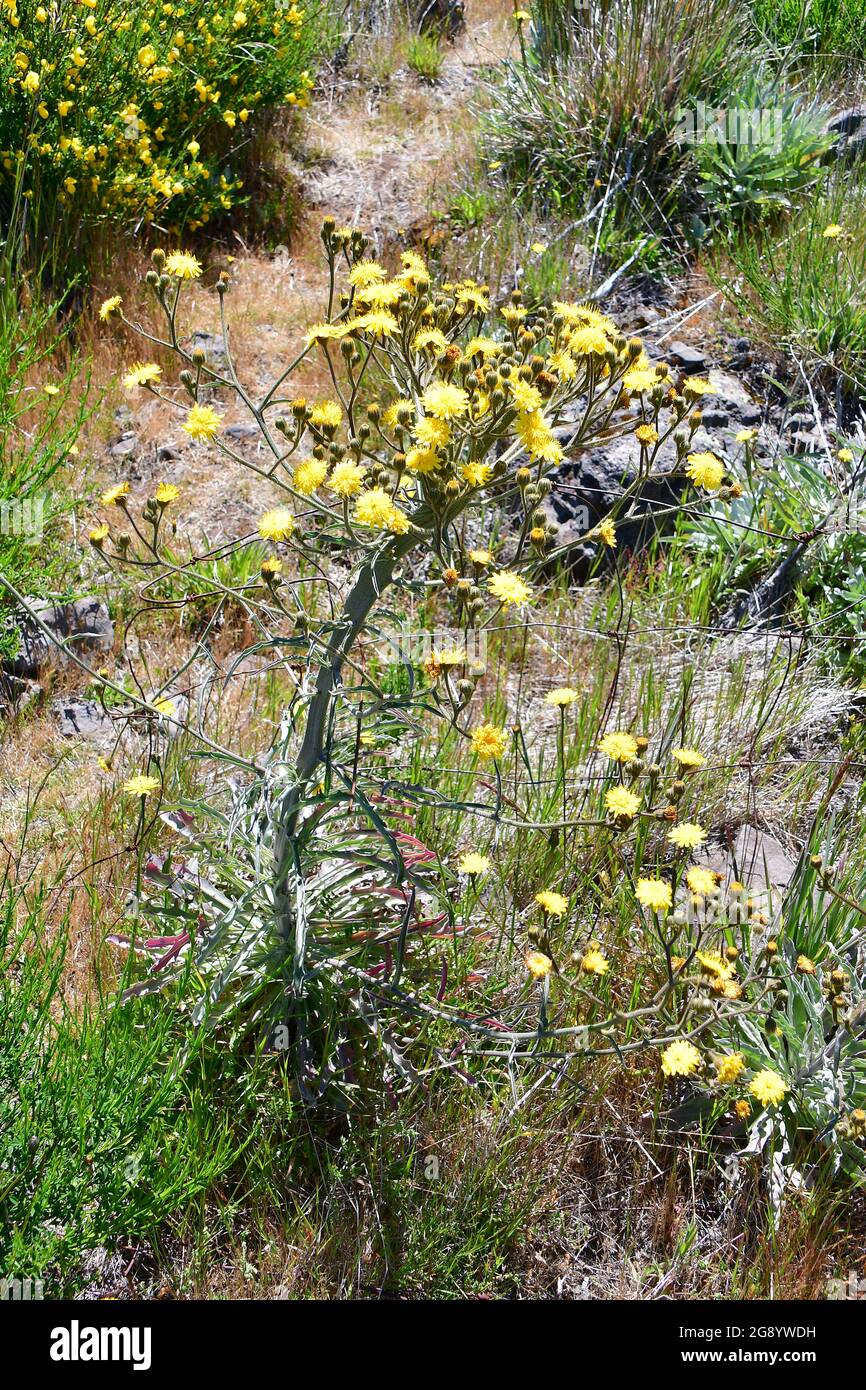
(372, 581)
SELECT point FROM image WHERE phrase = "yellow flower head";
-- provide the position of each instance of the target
(619, 801)
(327, 415)
(695, 386)
(538, 964)
(309, 475)
(595, 962)
(509, 588)
(565, 695)
(701, 882)
(109, 307)
(688, 758)
(444, 401)
(554, 904)
(434, 433)
(489, 741)
(473, 864)
(687, 835)
(833, 232)
(142, 374)
(730, 1068)
(276, 524)
(768, 1087)
(182, 266)
(142, 785)
(347, 478)
(423, 459)
(166, 493)
(607, 533)
(367, 273)
(202, 423)
(705, 471)
(621, 747)
(680, 1058)
(654, 893)
(115, 495)
(375, 508)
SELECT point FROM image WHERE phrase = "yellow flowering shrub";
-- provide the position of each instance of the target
(447, 412)
(142, 113)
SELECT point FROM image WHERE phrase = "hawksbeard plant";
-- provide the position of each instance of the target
(302, 906)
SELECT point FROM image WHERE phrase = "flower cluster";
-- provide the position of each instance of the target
(142, 112)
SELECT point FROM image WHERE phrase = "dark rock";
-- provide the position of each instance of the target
(84, 623)
(244, 430)
(742, 345)
(849, 127)
(167, 453)
(683, 355)
(82, 719)
(714, 418)
(643, 315)
(447, 17)
(213, 347)
(750, 414)
(125, 446)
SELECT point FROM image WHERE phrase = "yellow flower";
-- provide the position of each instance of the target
(595, 962)
(202, 422)
(697, 386)
(565, 695)
(647, 434)
(607, 533)
(476, 474)
(619, 801)
(115, 495)
(109, 307)
(147, 56)
(423, 460)
(142, 374)
(430, 338)
(483, 347)
(742, 1109)
(378, 323)
(768, 1087)
(621, 747)
(654, 893)
(99, 535)
(538, 964)
(276, 524)
(833, 232)
(182, 266)
(687, 835)
(524, 395)
(745, 436)
(51, 390)
(489, 741)
(309, 475)
(480, 557)
(554, 904)
(347, 478)
(444, 401)
(367, 273)
(435, 433)
(166, 493)
(705, 471)
(142, 785)
(375, 508)
(30, 82)
(322, 332)
(688, 758)
(472, 864)
(730, 1068)
(271, 568)
(701, 882)
(165, 706)
(712, 963)
(845, 455)
(805, 966)
(509, 588)
(588, 341)
(326, 414)
(680, 1058)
